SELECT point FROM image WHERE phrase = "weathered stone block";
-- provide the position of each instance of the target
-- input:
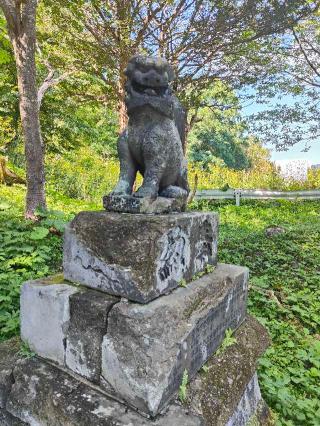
(9, 353)
(148, 347)
(130, 204)
(247, 404)
(6, 419)
(65, 324)
(138, 257)
(45, 313)
(44, 395)
(87, 325)
(227, 393)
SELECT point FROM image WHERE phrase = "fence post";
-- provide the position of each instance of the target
(237, 194)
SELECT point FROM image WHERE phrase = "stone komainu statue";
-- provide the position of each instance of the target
(153, 142)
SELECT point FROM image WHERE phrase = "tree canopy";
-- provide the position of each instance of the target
(82, 49)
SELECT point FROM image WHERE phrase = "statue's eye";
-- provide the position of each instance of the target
(143, 68)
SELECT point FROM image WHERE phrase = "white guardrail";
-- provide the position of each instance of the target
(254, 194)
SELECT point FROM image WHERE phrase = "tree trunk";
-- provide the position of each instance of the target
(123, 118)
(29, 112)
(21, 19)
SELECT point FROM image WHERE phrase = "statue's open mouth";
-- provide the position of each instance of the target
(149, 90)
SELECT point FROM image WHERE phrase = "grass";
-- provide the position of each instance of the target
(284, 285)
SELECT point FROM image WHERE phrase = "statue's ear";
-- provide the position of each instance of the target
(132, 64)
(129, 70)
(171, 74)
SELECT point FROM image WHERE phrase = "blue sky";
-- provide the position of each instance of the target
(313, 154)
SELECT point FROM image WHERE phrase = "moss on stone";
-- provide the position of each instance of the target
(196, 305)
(59, 279)
(54, 279)
(215, 393)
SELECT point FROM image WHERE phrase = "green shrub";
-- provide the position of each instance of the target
(28, 250)
(266, 177)
(84, 175)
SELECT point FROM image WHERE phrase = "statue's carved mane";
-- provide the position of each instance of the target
(148, 84)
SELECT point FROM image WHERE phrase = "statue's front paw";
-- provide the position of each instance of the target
(146, 192)
(118, 193)
(123, 188)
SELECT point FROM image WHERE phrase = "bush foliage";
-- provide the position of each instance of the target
(99, 176)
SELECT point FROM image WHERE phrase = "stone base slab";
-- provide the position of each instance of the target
(225, 394)
(247, 405)
(130, 204)
(9, 354)
(43, 395)
(138, 257)
(6, 419)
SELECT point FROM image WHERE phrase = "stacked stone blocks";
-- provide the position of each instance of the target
(142, 301)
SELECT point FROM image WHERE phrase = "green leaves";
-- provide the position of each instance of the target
(183, 387)
(228, 340)
(25, 351)
(39, 233)
(5, 57)
(4, 206)
(27, 251)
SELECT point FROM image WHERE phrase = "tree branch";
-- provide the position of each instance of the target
(304, 53)
(50, 81)
(10, 13)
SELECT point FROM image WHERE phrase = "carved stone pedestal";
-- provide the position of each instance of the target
(130, 204)
(139, 257)
(138, 352)
(144, 304)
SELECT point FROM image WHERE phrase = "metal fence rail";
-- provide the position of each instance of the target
(254, 194)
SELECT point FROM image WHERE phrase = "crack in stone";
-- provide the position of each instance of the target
(113, 283)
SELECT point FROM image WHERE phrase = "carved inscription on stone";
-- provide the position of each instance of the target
(150, 346)
(138, 256)
(175, 257)
(209, 332)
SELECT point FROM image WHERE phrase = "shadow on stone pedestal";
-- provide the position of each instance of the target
(42, 394)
